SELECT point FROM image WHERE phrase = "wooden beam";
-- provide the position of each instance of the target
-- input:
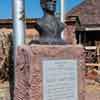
(92, 29)
(92, 64)
(90, 47)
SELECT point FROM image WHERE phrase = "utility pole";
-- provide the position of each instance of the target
(18, 33)
(18, 22)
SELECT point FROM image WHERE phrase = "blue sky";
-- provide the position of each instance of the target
(32, 7)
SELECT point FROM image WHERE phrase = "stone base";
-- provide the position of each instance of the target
(28, 71)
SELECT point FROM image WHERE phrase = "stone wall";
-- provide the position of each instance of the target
(6, 65)
(5, 54)
(31, 33)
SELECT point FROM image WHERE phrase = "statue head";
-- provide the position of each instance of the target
(48, 6)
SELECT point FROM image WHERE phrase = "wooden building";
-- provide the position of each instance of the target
(88, 13)
(6, 25)
(88, 33)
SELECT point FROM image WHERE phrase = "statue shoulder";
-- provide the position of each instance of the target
(60, 24)
(41, 21)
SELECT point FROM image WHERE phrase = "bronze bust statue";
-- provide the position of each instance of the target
(49, 26)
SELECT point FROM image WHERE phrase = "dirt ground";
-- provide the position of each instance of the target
(92, 90)
(4, 91)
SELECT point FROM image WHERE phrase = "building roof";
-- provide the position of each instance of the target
(88, 12)
(6, 26)
(10, 21)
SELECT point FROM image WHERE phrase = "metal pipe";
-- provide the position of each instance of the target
(18, 32)
(18, 19)
(62, 16)
(62, 11)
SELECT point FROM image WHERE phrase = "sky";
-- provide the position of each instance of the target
(32, 8)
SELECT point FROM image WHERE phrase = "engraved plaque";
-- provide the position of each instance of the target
(60, 80)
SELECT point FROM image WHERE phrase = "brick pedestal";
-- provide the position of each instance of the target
(28, 71)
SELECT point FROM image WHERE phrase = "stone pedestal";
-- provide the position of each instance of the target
(29, 68)
(72, 24)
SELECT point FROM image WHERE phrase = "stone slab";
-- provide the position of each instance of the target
(29, 68)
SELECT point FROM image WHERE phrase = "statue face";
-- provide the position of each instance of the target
(49, 5)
